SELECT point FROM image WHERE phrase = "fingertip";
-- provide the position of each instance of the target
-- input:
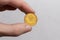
(28, 28)
(26, 8)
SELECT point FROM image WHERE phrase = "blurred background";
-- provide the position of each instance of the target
(48, 26)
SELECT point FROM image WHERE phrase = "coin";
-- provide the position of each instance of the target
(30, 19)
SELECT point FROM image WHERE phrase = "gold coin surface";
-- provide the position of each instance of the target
(30, 19)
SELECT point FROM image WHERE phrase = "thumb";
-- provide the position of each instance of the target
(21, 28)
(14, 29)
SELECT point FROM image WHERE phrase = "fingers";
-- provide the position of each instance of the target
(26, 8)
(13, 4)
(14, 29)
(23, 6)
(7, 7)
(2, 8)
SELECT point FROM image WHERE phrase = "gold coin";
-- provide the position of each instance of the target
(30, 19)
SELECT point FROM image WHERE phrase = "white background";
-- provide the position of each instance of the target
(48, 26)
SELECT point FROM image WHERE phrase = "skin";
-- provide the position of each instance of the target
(17, 28)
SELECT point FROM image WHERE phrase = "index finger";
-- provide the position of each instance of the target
(26, 8)
(23, 6)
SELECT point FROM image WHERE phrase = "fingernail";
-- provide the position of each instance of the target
(28, 28)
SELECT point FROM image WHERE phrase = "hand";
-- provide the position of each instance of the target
(17, 28)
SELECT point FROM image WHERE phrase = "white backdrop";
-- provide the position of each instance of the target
(48, 26)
